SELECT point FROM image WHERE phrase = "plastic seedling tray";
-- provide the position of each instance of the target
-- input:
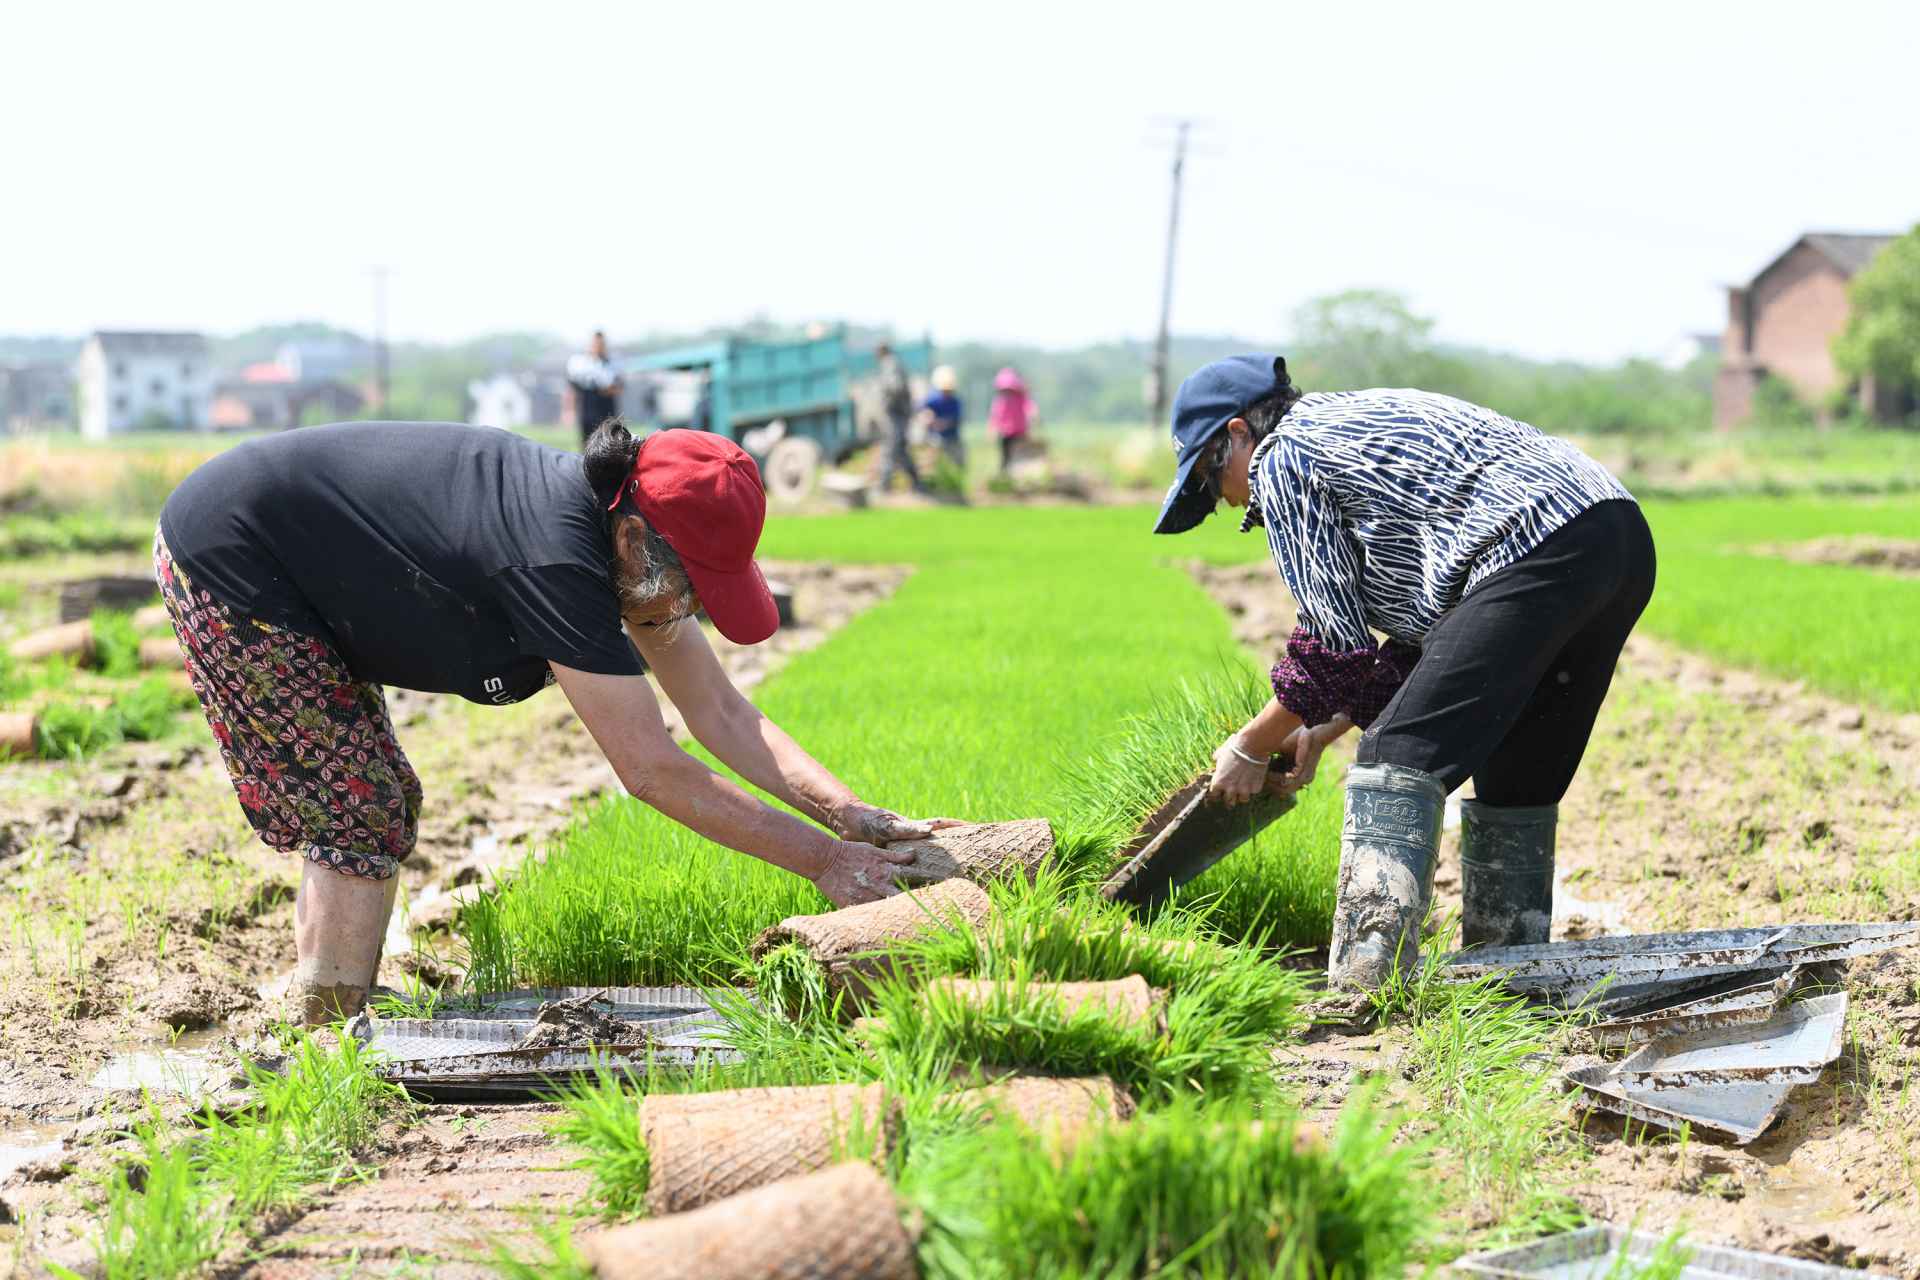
(1792, 1047)
(636, 1003)
(1727, 1002)
(1741, 1111)
(1185, 836)
(1596, 1252)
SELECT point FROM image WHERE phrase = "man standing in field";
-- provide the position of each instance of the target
(596, 386)
(1504, 569)
(896, 406)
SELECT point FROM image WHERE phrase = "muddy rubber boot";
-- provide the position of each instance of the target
(1506, 874)
(1388, 845)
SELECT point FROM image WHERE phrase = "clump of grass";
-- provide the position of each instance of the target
(73, 730)
(1107, 795)
(116, 644)
(1479, 1057)
(201, 1191)
(629, 898)
(1191, 1190)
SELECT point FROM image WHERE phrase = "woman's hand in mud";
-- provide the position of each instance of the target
(858, 820)
(1236, 779)
(857, 872)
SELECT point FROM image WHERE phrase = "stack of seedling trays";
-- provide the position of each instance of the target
(1719, 1025)
(489, 1047)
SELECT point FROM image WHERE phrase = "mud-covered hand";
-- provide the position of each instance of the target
(1238, 774)
(1304, 749)
(859, 820)
(857, 872)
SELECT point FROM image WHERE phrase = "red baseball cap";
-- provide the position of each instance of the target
(703, 493)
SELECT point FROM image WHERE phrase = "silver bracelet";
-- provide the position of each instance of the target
(1233, 745)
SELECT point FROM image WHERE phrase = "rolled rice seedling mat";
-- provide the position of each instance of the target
(18, 735)
(841, 1223)
(1061, 1107)
(978, 853)
(637, 1004)
(703, 1147)
(1184, 837)
(1129, 1000)
(843, 942)
(69, 639)
(161, 651)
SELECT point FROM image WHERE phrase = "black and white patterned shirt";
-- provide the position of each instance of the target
(1384, 508)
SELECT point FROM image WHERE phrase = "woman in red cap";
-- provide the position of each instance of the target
(306, 570)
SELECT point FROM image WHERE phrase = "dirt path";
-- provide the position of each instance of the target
(1711, 797)
(135, 904)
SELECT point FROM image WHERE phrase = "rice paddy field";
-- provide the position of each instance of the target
(1758, 761)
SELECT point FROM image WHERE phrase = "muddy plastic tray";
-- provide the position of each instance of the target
(504, 1075)
(1724, 1002)
(621, 1002)
(1188, 834)
(1741, 1111)
(1568, 971)
(1596, 1252)
(1793, 1047)
(410, 1040)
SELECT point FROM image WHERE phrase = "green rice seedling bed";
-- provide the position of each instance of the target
(1021, 645)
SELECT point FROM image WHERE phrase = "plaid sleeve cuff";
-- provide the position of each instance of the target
(1391, 667)
(1316, 682)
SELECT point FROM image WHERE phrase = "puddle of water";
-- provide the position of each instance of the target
(1800, 1200)
(22, 1146)
(186, 1064)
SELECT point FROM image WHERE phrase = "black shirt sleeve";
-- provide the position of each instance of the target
(564, 614)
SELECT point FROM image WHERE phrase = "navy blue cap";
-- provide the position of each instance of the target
(1213, 396)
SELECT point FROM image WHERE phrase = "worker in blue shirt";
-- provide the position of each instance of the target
(941, 413)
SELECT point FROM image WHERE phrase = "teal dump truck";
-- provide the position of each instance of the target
(792, 405)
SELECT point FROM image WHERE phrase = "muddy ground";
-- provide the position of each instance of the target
(136, 903)
(144, 932)
(1892, 554)
(1712, 798)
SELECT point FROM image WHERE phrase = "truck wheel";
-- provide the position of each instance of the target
(791, 468)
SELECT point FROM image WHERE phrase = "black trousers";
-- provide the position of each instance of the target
(1509, 680)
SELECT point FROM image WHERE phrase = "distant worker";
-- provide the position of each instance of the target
(1012, 415)
(942, 413)
(596, 386)
(306, 570)
(1505, 569)
(896, 407)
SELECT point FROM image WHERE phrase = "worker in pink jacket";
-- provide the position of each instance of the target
(1012, 415)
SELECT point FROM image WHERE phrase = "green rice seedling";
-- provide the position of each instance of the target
(1105, 796)
(1281, 886)
(72, 730)
(629, 898)
(553, 1257)
(788, 978)
(1478, 1056)
(116, 644)
(305, 1128)
(146, 711)
(1193, 1190)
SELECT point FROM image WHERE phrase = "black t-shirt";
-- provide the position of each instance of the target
(432, 555)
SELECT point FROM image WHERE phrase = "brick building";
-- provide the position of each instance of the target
(1784, 321)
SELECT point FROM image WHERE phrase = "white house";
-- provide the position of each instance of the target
(510, 400)
(133, 380)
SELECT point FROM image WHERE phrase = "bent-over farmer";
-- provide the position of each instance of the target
(306, 570)
(1504, 569)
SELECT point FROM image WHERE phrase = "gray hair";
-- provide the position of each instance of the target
(655, 574)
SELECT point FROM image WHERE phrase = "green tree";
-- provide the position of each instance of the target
(1882, 337)
(1363, 338)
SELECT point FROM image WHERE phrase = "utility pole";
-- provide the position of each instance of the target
(1157, 397)
(380, 381)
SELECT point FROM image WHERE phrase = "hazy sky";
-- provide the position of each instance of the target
(1549, 178)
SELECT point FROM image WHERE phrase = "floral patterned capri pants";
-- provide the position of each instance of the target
(310, 749)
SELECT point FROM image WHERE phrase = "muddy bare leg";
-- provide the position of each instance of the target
(340, 924)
